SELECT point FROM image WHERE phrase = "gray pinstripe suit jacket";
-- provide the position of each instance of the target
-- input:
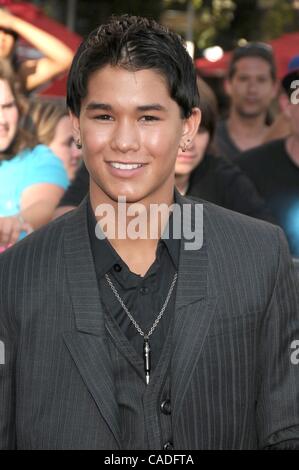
(232, 382)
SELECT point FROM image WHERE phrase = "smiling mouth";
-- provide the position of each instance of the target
(126, 166)
(252, 100)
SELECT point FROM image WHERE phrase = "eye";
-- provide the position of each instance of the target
(148, 118)
(103, 117)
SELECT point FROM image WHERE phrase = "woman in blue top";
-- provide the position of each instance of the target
(32, 178)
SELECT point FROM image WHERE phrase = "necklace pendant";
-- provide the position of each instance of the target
(147, 359)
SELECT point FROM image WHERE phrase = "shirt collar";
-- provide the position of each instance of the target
(106, 257)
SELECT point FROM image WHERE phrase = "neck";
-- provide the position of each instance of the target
(292, 146)
(134, 237)
(181, 182)
(247, 125)
(246, 132)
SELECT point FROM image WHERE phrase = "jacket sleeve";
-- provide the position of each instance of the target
(277, 406)
(8, 346)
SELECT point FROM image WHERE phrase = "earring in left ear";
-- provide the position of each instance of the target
(185, 145)
(78, 144)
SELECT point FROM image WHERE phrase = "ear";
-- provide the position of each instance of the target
(190, 127)
(276, 87)
(75, 126)
(227, 87)
(284, 104)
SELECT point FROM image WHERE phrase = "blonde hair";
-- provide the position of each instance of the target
(43, 117)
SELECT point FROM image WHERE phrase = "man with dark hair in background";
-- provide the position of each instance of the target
(251, 86)
(274, 167)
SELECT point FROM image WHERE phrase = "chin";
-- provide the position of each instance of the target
(134, 197)
(4, 148)
(251, 113)
(183, 170)
(131, 197)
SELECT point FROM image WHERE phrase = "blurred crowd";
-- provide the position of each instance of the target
(247, 161)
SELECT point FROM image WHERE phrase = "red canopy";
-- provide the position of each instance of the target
(284, 48)
(35, 15)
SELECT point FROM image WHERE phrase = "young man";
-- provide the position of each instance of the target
(251, 86)
(123, 343)
(274, 167)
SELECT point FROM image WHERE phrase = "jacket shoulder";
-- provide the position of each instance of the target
(47, 239)
(228, 222)
(247, 243)
(224, 228)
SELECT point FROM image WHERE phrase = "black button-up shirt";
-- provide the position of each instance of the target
(144, 422)
(143, 296)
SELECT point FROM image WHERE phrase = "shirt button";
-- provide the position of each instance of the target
(144, 290)
(168, 446)
(117, 268)
(165, 407)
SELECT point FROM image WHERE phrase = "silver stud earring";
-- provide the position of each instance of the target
(78, 144)
(185, 145)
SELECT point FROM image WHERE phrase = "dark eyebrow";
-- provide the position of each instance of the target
(102, 106)
(107, 107)
(151, 107)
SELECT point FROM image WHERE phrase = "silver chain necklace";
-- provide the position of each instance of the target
(146, 344)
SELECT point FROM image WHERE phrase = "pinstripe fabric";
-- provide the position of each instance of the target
(232, 382)
(141, 419)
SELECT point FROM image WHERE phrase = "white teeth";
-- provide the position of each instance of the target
(125, 166)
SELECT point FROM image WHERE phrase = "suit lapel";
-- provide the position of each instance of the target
(88, 345)
(194, 310)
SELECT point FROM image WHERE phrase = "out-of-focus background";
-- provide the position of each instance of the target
(211, 27)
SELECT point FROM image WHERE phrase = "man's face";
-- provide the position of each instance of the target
(251, 88)
(131, 129)
(9, 116)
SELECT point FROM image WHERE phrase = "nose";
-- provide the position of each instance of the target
(125, 137)
(252, 85)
